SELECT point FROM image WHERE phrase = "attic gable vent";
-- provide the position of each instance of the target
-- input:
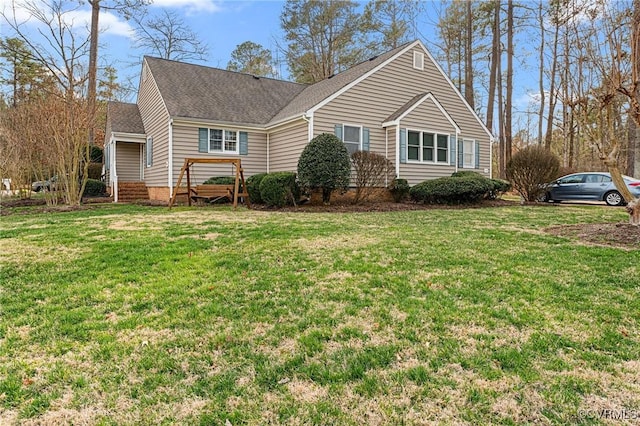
(418, 60)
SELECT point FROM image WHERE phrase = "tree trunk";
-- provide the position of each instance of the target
(93, 69)
(468, 66)
(508, 136)
(552, 86)
(541, 73)
(495, 57)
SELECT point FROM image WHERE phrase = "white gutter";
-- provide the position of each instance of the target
(398, 150)
(113, 176)
(170, 162)
(386, 153)
(309, 119)
(268, 150)
(455, 160)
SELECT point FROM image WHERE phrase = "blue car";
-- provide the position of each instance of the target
(591, 186)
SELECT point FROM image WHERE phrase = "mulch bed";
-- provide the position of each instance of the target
(609, 234)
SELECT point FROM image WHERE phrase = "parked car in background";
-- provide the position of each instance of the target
(591, 186)
(45, 185)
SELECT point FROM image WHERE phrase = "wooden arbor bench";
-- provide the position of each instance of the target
(211, 192)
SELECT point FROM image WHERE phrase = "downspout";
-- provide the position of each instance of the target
(170, 162)
(268, 149)
(113, 175)
(455, 160)
(309, 120)
(386, 153)
(491, 141)
(398, 149)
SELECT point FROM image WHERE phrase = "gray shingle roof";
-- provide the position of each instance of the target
(201, 92)
(124, 117)
(314, 94)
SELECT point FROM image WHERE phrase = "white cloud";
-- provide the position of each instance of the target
(78, 19)
(191, 6)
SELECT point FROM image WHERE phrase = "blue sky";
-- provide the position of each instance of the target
(222, 25)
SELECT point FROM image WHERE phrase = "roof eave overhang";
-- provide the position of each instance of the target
(288, 120)
(129, 137)
(396, 121)
(190, 121)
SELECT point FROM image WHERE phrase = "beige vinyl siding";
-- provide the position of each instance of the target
(391, 144)
(286, 145)
(373, 100)
(156, 124)
(128, 161)
(185, 145)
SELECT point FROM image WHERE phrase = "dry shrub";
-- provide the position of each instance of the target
(372, 171)
(531, 169)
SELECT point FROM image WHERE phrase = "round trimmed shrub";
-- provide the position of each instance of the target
(94, 188)
(451, 190)
(467, 173)
(399, 189)
(324, 164)
(279, 189)
(253, 188)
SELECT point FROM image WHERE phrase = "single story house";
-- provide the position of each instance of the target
(399, 104)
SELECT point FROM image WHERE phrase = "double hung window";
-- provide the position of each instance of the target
(225, 141)
(427, 147)
(352, 138)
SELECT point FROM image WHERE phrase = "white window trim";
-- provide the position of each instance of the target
(344, 133)
(471, 165)
(435, 162)
(420, 63)
(223, 150)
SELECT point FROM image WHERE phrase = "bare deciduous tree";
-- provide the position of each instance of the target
(169, 37)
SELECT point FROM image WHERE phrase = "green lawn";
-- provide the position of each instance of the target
(141, 315)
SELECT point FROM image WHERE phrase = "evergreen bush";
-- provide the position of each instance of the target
(94, 188)
(324, 164)
(279, 189)
(451, 190)
(220, 180)
(253, 188)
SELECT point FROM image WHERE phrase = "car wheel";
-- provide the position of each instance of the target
(546, 197)
(37, 189)
(613, 198)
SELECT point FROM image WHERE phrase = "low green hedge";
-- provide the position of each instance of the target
(253, 188)
(220, 180)
(499, 186)
(94, 188)
(279, 189)
(452, 190)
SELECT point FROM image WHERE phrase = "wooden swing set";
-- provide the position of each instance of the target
(212, 193)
